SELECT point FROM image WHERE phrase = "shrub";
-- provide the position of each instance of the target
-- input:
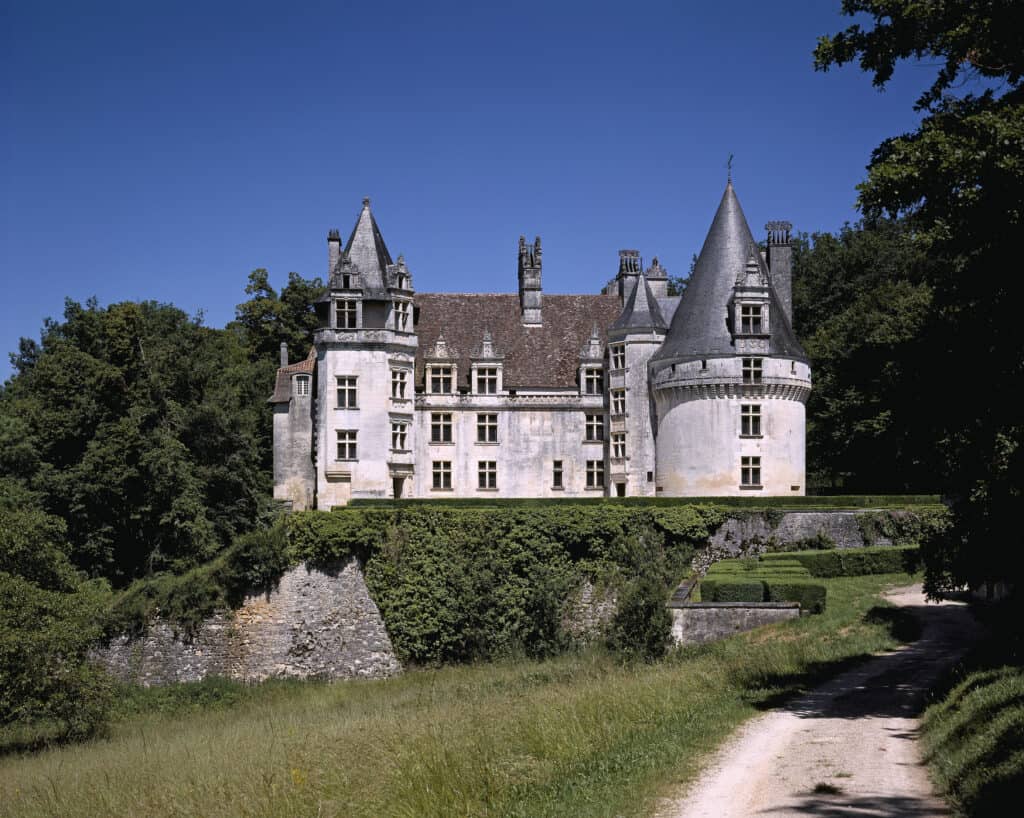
(850, 562)
(642, 625)
(810, 595)
(732, 590)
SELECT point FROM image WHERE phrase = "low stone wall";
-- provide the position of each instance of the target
(315, 622)
(841, 527)
(694, 623)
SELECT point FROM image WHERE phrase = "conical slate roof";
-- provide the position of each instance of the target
(367, 253)
(700, 326)
(641, 311)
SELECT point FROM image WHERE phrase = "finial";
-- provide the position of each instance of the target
(366, 201)
(729, 166)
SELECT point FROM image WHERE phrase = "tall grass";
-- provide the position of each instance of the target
(575, 736)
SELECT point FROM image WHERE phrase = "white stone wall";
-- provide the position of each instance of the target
(640, 451)
(293, 440)
(530, 438)
(699, 443)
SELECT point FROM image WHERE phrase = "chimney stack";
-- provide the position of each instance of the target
(284, 353)
(529, 282)
(780, 264)
(333, 250)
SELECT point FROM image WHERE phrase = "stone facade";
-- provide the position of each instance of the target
(630, 392)
(313, 623)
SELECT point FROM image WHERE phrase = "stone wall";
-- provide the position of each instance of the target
(699, 622)
(840, 526)
(313, 623)
(588, 611)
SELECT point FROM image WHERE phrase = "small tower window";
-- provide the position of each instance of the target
(619, 445)
(347, 392)
(399, 434)
(302, 386)
(346, 281)
(618, 356)
(401, 315)
(750, 471)
(593, 381)
(751, 322)
(399, 377)
(753, 370)
(556, 474)
(347, 317)
(750, 420)
(618, 401)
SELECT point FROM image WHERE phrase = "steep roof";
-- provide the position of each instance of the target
(642, 311)
(700, 326)
(534, 356)
(367, 253)
(283, 383)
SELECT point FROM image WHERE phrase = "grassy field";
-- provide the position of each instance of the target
(575, 736)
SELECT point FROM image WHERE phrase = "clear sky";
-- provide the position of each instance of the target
(162, 150)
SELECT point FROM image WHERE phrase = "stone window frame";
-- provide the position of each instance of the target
(753, 370)
(487, 427)
(302, 386)
(399, 382)
(399, 435)
(618, 401)
(346, 313)
(753, 319)
(618, 445)
(488, 377)
(750, 472)
(557, 475)
(441, 475)
(350, 390)
(617, 353)
(750, 420)
(593, 380)
(347, 444)
(595, 474)
(441, 432)
(487, 475)
(442, 375)
(402, 313)
(593, 427)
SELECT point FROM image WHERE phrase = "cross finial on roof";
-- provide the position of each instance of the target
(366, 201)
(729, 166)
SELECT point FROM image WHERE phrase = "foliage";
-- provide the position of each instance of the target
(810, 595)
(958, 183)
(750, 504)
(919, 527)
(851, 562)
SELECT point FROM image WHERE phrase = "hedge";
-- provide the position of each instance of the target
(730, 590)
(885, 501)
(850, 562)
(810, 595)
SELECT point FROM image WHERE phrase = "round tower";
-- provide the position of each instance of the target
(731, 380)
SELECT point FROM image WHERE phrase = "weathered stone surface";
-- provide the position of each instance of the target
(588, 611)
(699, 622)
(314, 623)
(737, 533)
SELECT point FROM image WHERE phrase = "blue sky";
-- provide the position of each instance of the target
(157, 150)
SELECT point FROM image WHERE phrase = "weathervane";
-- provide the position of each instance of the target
(728, 165)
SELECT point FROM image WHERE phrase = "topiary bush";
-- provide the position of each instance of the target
(851, 562)
(810, 595)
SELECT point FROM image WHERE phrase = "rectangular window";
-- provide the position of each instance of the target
(556, 474)
(618, 401)
(618, 445)
(750, 420)
(618, 356)
(595, 427)
(302, 386)
(595, 474)
(398, 381)
(346, 311)
(399, 432)
(402, 315)
(346, 444)
(593, 382)
(347, 392)
(487, 474)
(441, 380)
(750, 471)
(440, 427)
(441, 472)
(750, 319)
(752, 370)
(487, 380)
(486, 428)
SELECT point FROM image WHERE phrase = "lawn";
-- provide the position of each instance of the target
(580, 735)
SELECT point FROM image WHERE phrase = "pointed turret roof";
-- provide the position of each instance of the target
(367, 253)
(700, 327)
(641, 311)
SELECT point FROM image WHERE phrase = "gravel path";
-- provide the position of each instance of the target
(847, 748)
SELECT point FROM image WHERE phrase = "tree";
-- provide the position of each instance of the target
(958, 182)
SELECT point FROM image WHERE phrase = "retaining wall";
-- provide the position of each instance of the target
(694, 623)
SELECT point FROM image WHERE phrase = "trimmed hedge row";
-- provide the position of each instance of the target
(852, 562)
(823, 502)
(810, 595)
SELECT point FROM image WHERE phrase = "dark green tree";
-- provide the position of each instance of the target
(958, 182)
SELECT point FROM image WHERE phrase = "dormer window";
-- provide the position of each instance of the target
(346, 281)
(593, 381)
(487, 380)
(751, 319)
(402, 315)
(346, 314)
(403, 282)
(753, 370)
(302, 386)
(441, 380)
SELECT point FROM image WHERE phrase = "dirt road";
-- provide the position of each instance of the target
(848, 748)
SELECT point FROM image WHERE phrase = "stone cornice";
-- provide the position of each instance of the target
(686, 389)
